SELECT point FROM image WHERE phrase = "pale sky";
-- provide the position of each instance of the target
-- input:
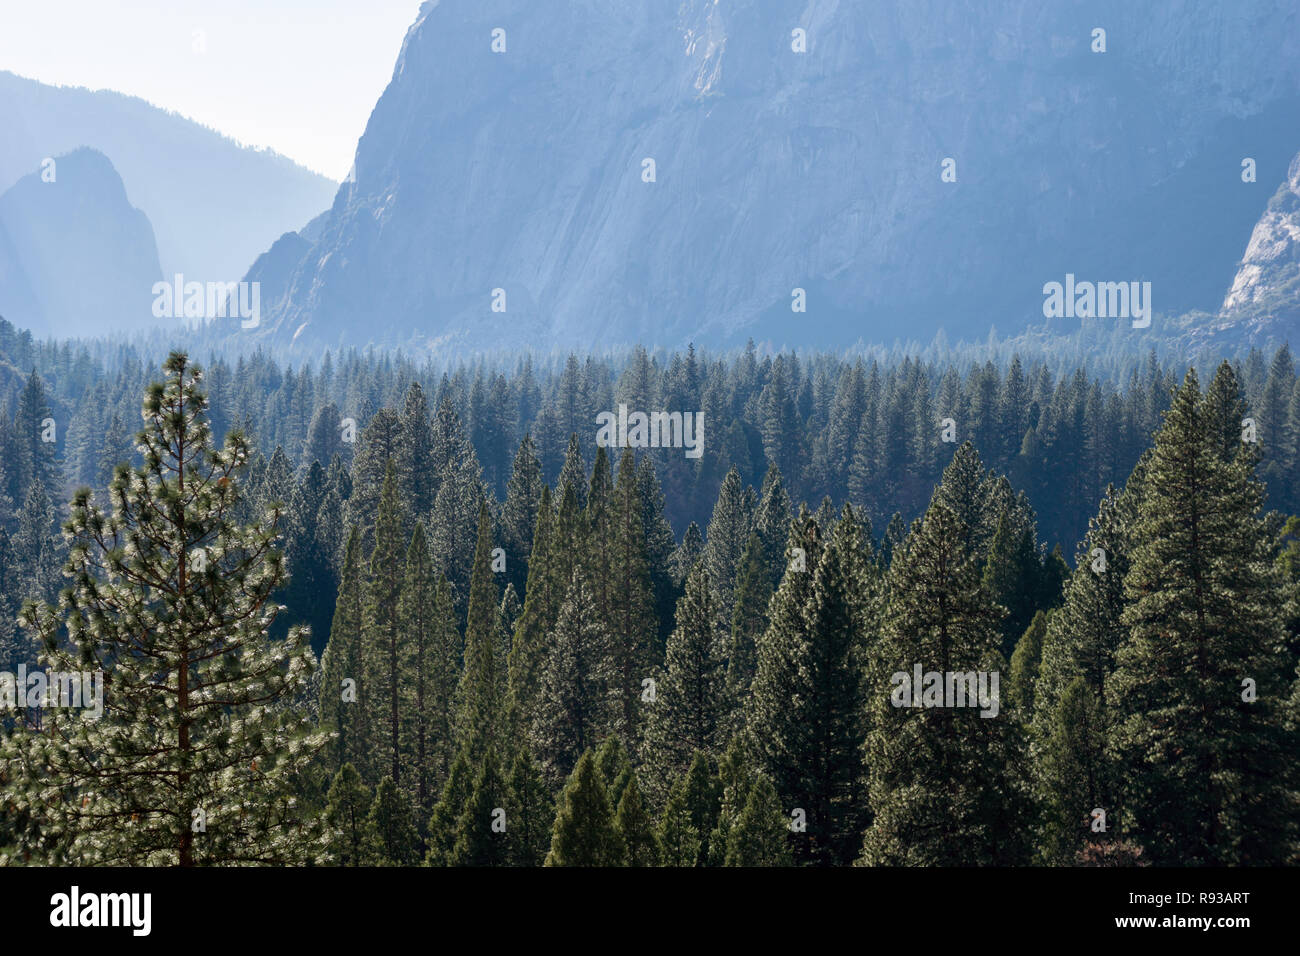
(298, 76)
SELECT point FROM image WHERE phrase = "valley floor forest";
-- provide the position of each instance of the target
(899, 611)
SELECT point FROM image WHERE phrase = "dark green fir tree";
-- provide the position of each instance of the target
(584, 833)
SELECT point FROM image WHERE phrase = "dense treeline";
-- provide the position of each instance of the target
(853, 429)
(545, 651)
(1150, 717)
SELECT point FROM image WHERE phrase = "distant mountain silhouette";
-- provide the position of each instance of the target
(214, 204)
(76, 258)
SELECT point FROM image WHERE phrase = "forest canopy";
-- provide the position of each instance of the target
(459, 630)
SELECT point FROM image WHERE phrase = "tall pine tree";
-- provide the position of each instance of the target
(1201, 682)
(190, 762)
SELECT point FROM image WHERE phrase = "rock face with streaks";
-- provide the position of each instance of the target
(794, 145)
(1265, 295)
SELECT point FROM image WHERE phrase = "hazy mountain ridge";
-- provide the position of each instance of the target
(76, 258)
(215, 205)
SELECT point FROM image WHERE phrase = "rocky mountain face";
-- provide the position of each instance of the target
(600, 172)
(214, 205)
(1265, 296)
(76, 258)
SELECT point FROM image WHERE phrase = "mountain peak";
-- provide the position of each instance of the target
(80, 259)
(593, 174)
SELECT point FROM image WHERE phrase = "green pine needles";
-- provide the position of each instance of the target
(192, 761)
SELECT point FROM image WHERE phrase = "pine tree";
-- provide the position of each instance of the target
(1288, 478)
(15, 647)
(1013, 404)
(36, 552)
(599, 518)
(522, 507)
(1052, 575)
(169, 601)
(805, 707)
(276, 485)
(944, 780)
(417, 457)
(382, 649)
(772, 521)
(772, 729)
(394, 840)
(679, 840)
(749, 620)
(311, 570)
(1077, 774)
(429, 672)
(966, 489)
(444, 821)
(779, 422)
(761, 835)
(34, 460)
(574, 473)
(324, 435)
(584, 833)
(1223, 410)
(728, 531)
(509, 611)
(1025, 662)
(347, 816)
(1205, 762)
(481, 706)
(1288, 566)
(530, 811)
(378, 448)
(452, 524)
(660, 545)
(330, 524)
(840, 613)
(630, 615)
(691, 712)
(635, 828)
(615, 767)
(115, 450)
(576, 707)
(1011, 575)
(482, 829)
(544, 594)
(343, 684)
(735, 778)
(845, 419)
(688, 552)
(81, 444)
(570, 542)
(892, 539)
(704, 801)
(1073, 764)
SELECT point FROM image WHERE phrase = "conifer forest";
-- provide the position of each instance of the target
(554, 468)
(974, 609)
